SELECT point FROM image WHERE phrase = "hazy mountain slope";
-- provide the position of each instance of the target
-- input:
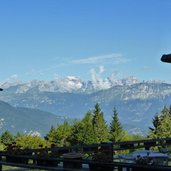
(26, 120)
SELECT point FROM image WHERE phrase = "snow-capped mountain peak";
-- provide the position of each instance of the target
(69, 84)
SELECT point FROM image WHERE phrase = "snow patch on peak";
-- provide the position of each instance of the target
(67, 84)
(27, 86)
(11, 81)
(74, 84)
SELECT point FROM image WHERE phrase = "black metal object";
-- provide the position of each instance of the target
(166, 58)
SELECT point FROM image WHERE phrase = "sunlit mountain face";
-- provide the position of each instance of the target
(69, 84)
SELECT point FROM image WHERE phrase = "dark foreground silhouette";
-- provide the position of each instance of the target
(166, 58)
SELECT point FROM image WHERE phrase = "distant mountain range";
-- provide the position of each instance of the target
(68, 84)
(136, 102)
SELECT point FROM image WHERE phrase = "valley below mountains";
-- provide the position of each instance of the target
(136, 104)
(24, 120)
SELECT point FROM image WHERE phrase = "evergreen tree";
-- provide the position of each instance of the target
(82, 131)
(7, 138)
(161, 124)
(76, 133)
(156, 122)
(164, 129)
(50, 137)
(100, 129)
(63, 132)
(165, 111)
(116, 130)
(59, 135)
(88, 132)
(170, 110)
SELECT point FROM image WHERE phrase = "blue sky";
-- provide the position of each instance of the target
(43, 38)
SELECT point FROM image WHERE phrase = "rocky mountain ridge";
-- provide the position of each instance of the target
(137, 103)
(68, 84)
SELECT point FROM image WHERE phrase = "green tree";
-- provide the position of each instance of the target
(50, 137)
(161, 124)
(60, 135)
(165, 111)
(164, 129)
(88, 132)
(76, 136)
(116, 130)
(82, 131)
(29, 141)
(100, 129)
(63, 133)
(7, 138)
(170, 110)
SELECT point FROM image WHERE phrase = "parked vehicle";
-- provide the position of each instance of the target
(145, 157)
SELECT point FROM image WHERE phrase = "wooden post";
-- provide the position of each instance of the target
(107, 149)
(0, 164)
(127, 168)
(119, 168)
(34, 160)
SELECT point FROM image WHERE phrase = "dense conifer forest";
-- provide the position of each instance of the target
(92, 129)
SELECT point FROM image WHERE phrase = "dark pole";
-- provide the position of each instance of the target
(166, 58)
(1, 156)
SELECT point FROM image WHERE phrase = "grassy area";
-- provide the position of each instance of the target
(9, 168)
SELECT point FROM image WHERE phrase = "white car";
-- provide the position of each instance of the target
(145, 157)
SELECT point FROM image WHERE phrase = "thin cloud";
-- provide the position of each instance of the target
(114, 58)
(34, 72)
(146, 68)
